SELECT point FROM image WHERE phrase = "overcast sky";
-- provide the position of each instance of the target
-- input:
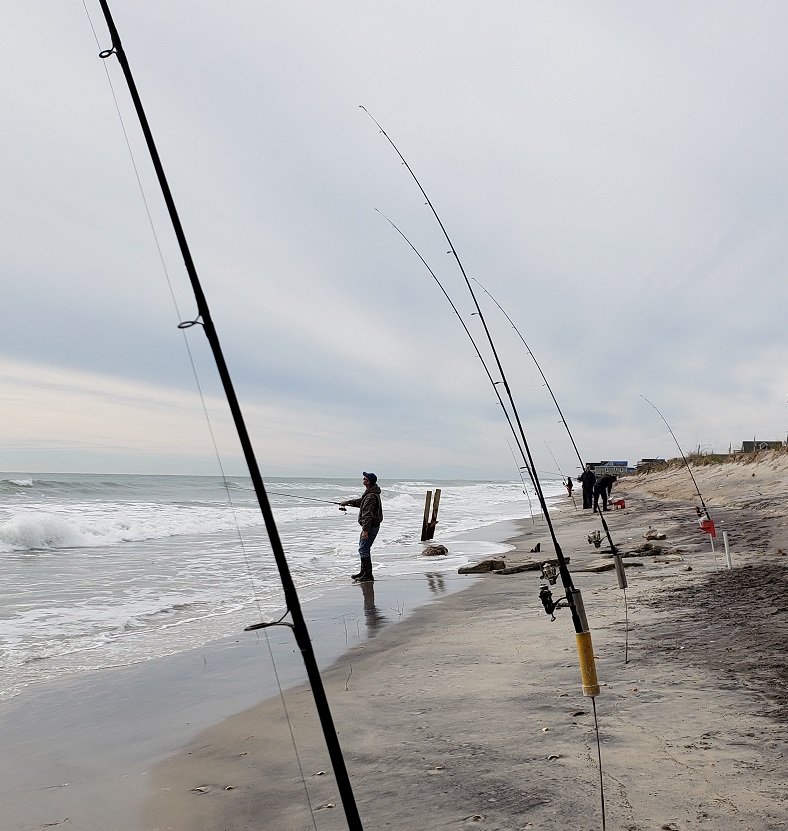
(613, 172)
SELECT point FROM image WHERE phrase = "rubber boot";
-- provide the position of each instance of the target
(366, 570)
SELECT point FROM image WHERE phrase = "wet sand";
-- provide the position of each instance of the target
(470, 713)
(80, 752)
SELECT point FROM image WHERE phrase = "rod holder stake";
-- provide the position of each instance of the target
(620, 573)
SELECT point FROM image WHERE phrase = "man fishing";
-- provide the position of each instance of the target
(587, 479)
(370, 516)
(602, 487)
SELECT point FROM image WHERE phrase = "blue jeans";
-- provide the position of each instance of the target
(365, 549)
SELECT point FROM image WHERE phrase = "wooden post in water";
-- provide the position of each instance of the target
(428, 527)
(434, 520)
(425, 524)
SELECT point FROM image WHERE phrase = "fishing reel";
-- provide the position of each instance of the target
(550, 605)
(550, 573)
(595, 539)
(571, 600)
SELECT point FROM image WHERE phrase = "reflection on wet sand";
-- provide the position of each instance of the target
(436, 582)
(373, 617)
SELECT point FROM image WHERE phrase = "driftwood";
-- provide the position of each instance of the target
(599, 566)
(484, 567)
(519, 569)
(648, 549)
(499, 567)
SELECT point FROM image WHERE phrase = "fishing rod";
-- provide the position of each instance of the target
(689, 469)
(203, 318)
(561, 473)
(709, 529)
(309, 499)
(473, 342)
(583, 465)
(520, 469)
(536, 363)
(573, 599)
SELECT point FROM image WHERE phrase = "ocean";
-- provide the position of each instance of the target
(110, 570)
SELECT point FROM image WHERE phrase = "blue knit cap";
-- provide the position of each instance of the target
(371, 476)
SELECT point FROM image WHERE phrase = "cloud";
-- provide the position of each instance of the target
(613, 174)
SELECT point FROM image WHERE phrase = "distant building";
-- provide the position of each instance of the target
(647, 463)
(755, 444)
(612, 468)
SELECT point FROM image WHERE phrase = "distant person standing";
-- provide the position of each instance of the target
(587, 479)
(602, 487)
(370, 516)
(568, 485)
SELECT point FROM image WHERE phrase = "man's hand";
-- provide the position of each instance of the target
(365, 535)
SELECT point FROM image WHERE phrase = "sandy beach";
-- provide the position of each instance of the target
(470, 712)
(80, 751)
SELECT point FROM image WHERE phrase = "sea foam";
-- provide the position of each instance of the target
(40, 531)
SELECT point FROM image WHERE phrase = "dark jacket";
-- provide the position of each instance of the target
(604, 483)
(371, 507)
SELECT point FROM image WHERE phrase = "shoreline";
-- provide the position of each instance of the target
(85, 747)
(471, 713)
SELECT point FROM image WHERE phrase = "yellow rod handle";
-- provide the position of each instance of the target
(585, 651)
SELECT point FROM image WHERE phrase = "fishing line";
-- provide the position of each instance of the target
(613, 548)
(310, 499)
(139, 182)
(538, 366)
(626, 628)
(572, 599)
(566, 577)
(265, 626)
(561, 473)
(256, 595)
(209, 423)
(621, 576)
(204, 319)
(599, 756)
(520, 472)
(523, 447)
(472, 339)
(689, 470)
